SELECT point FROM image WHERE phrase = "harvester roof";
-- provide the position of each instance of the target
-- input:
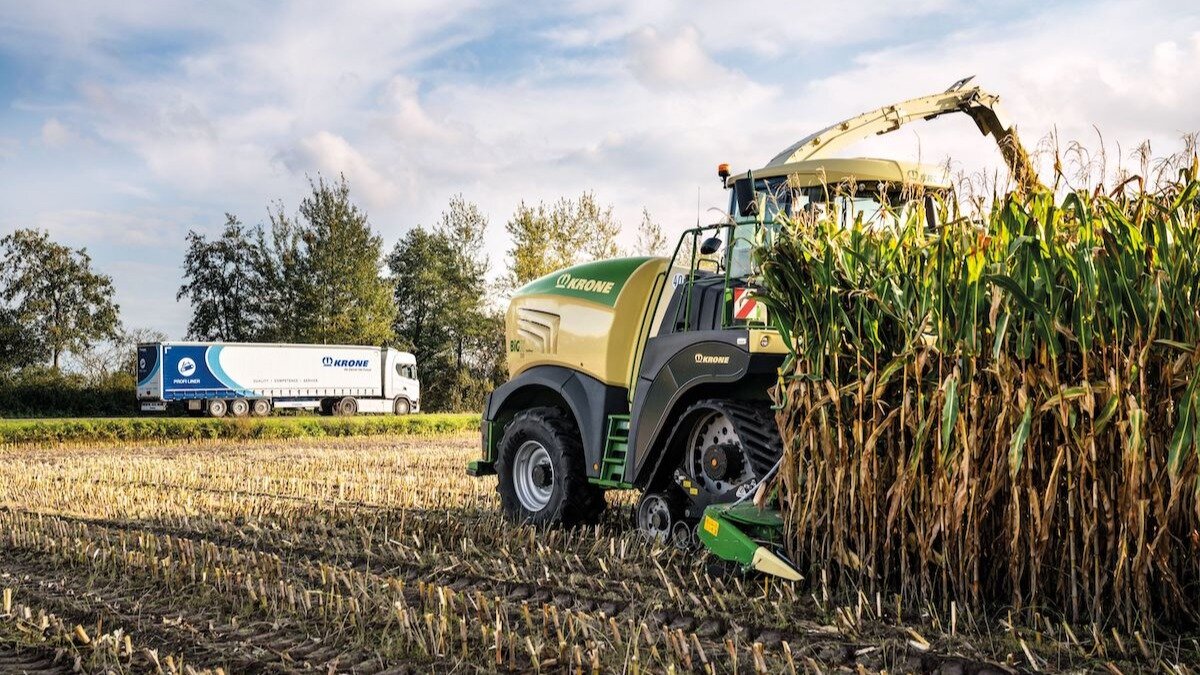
(813, 172)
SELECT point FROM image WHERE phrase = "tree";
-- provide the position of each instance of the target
(19, 346)
(535, 252)
(463, 226)
(117, 356)
(279, 261)
(595, 227)
(548, 239)
(418, 264)
(341, 293)
(650, 238)
(220, 279)
(442, 310)
(312, 277)
(55, 293)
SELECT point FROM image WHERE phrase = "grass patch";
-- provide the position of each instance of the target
(105, 429)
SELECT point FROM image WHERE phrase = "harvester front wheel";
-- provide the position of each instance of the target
(541, 472)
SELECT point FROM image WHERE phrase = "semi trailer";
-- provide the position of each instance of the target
(654, 374)
(240, 379)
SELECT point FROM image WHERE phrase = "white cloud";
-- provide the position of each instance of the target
(675, 62)
(768, 28)
(142, 227)
(332, 154)
(1053, 75)
(637, 101)
(55, 134)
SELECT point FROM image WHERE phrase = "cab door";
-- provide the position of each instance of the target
(690, 338)
(404, 381)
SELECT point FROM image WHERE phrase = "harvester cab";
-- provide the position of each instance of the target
(654, 373)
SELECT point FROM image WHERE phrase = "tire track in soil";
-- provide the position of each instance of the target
(200, 635)
(30, 660)
(616, 603)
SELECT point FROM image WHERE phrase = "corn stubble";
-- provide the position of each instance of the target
(353, 555)
(1001, 413)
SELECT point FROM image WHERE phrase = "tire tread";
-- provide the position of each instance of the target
(582, 501)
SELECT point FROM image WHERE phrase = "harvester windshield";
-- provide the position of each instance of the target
(876, 204)
(871, 205)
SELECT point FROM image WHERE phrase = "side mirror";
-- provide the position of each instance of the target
(710, 246)
(746, 199)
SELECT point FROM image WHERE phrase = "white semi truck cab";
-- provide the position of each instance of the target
(240, 379)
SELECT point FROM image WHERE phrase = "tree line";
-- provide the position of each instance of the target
(318, 274)
(322, 275)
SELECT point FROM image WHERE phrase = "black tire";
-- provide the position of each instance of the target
(260, 407)
(402, 407)
(217, 408)
(658, 513)
(239, 407)
(571, 499)
(326, 407)
(347, 407)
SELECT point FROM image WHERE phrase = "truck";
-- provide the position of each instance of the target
(654, 373)
(240, 378)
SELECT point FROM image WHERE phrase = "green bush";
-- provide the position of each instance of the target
(43, 392)
(95, 430)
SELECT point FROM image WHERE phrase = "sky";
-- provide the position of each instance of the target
(125, 125)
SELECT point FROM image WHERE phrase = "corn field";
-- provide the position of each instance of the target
(1002, 411)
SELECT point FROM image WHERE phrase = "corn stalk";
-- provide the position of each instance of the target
(1001, 411)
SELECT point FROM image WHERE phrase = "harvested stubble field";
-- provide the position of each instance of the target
(372, 555)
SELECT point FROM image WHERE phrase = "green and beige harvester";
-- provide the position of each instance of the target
(652, 373)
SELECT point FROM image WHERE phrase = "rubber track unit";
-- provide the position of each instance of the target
(582, 502)
(755, 427)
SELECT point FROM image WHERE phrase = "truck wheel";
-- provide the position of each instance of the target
(347, 407)
(402, 407)
(239, 407)
(217, 408)
(541, 472)
(261, 407)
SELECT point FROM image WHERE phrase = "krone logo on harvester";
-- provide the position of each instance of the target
(566, 281)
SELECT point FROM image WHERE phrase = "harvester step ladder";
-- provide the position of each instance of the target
(616, 449)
